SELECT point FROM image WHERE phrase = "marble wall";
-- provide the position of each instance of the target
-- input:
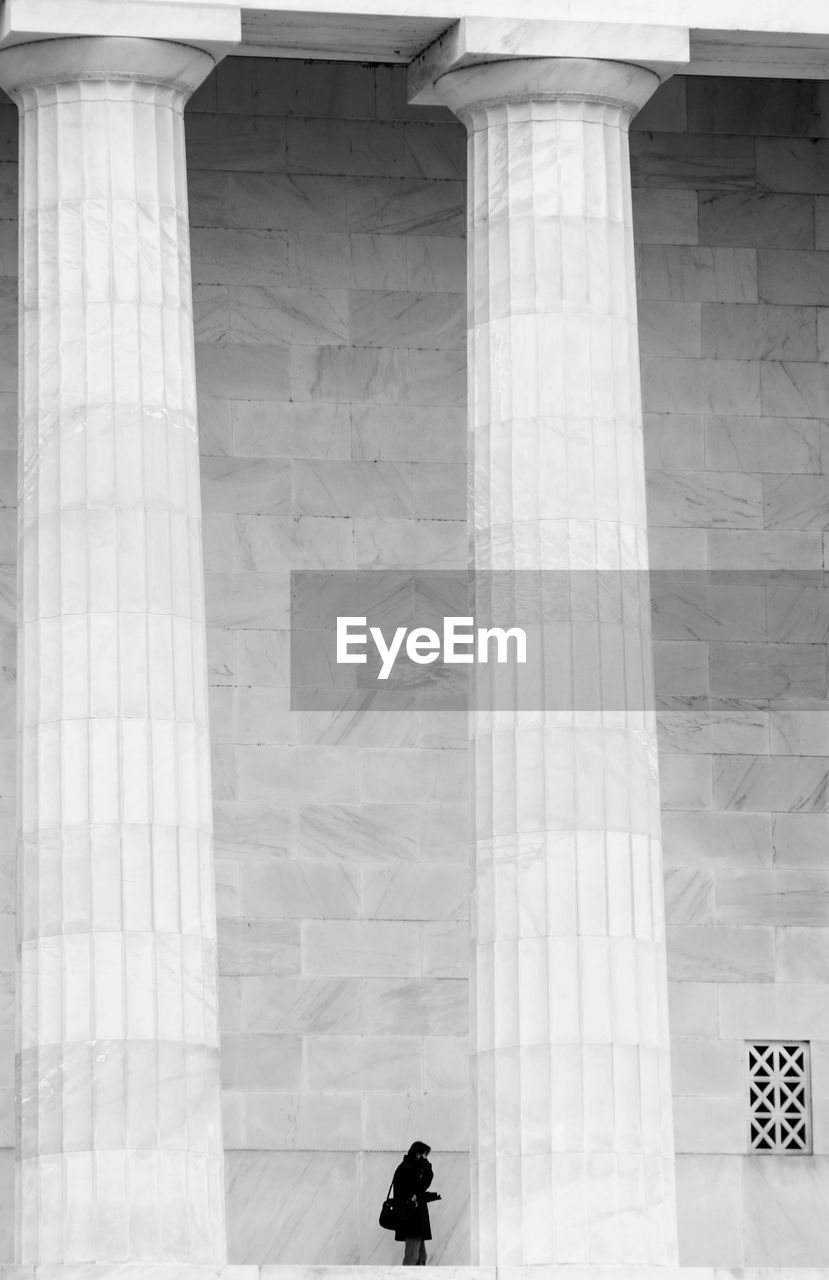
(329, 278)
(329, 288)
(732, 204)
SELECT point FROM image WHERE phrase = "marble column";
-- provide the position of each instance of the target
(119, 1150)
(573, 1159)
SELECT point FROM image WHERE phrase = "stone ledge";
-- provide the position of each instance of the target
(298, 1271)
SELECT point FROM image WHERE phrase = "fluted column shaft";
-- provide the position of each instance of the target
(573, 1159)
(119, 1152)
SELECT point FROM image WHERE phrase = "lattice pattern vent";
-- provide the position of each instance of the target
(779, 1102)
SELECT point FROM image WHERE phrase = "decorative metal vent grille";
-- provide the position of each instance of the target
(779, 1102)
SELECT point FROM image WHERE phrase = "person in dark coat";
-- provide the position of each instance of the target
(412, 1178)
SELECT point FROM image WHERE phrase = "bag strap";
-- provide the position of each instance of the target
(391, 1184)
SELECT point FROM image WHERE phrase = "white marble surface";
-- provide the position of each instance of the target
(120, 1157)
(572, 1160)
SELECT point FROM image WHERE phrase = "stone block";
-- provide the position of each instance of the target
(260, 1062)
(222, 256)
(688, 273)
(214, 425)
(359, 832)
(681, 668)
(419, 892)
(762, 444)
(263, 657)
(356, 1064)
(741, 729)
(693, 1009)
(737, 331)
(666, 111)
(444, 949)
(719, 953)
(665, 216)
(799, 732)
(295, 87)
(803, 953)
(421, 776)
(784, 1221)
(768, 670)
(243, 485)
(790, 276)
(786, 1011)
(793, 165)
(434, 150)
(404, 319)
(439, 491)
(446, 1064)
(406, 206)
(713, 839)
(387, 1116)
(436, 263)
(270, 315)
(237, 372)
(286, 202)
(363, 489)
(674, 442)
(294, 542)
(211, 313)
(715, 386)
(312, 1207)
(669, 328)
(235, 142)
(293, 774)
(685, 781)
(756, 219)
(800, 839)
(265, 430)
(360, 148)
(709, 1207)
(302, 1122)
(258, 946)
(692, 160)
(409, 434)
(247, 600)
(283, 889)
(738, 549)
(678, 548)
(689, 896)
(702, 1067)
(298, 1006)
(771, 783)
(360, 948)
(710, 1125)
(705, 500)
(436, 377)
(359, 728)
(757, 105)
(331, 260)
(347, 374)
(207, 195)
(233, 1119)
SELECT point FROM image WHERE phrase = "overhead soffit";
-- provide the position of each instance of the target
(373, 37)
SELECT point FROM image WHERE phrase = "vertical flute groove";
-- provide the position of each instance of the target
(573, 1158)
(119, 1153)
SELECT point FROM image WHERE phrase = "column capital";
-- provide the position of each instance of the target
(65, 61)
(468, 90)
(212, 25)
(477, 42)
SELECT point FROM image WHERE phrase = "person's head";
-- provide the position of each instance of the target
(418, 1151)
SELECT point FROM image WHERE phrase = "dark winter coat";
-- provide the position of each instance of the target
(412, 1178)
